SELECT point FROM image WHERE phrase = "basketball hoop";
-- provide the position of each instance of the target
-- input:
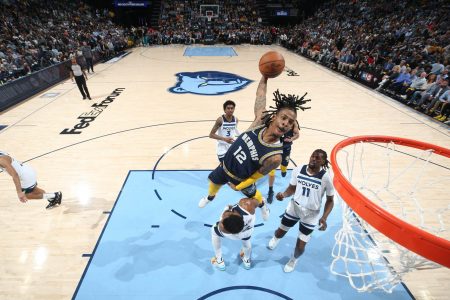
(209, 11)
(209, 15)
(382, 226)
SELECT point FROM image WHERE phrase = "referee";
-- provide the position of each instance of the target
(80, 78)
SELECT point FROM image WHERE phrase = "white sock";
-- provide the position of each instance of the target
(49, 196)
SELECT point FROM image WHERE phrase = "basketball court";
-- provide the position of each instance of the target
(132, 165)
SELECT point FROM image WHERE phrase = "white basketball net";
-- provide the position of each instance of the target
(400, 180)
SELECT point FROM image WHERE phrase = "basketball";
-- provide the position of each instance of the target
(271, 64)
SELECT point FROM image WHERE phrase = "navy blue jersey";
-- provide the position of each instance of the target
(247, 154)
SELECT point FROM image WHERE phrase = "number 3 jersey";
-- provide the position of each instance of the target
(247, 154)
(228, 129)
(310, 188)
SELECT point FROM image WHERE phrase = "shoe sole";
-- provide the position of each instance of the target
(219, 268)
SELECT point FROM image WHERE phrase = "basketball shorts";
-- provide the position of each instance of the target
(27, 178)
(218, 176)
(308, 219)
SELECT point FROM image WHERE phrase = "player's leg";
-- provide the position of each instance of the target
(37, 193)
(32, 191)
(246, 253)
(216, 239)
(290, 218)
(304, 236)
(270, 194)
(252, 192)
(217, 178)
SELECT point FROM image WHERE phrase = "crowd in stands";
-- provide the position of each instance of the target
(183, 22)
(401, 48)
(36, 34)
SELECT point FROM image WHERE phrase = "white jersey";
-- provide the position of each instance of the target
(249, 225)
(76, 69)
(228, 129)
(310, 189)
(26, 174)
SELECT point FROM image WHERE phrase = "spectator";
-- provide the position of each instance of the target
(88, 56)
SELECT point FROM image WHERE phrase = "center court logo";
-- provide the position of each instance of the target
(208, 83)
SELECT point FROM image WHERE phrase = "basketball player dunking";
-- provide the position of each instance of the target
(258, 150)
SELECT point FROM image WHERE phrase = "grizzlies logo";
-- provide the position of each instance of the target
(208, 83)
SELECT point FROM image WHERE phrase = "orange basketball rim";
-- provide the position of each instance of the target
(415, 239)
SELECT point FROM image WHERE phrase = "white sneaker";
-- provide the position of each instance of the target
(290, 266)
(218, 264)
(245, 261)
(265, 212)
(273, 243)
(203, 202)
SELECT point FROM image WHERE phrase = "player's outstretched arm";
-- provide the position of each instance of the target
(260, 102)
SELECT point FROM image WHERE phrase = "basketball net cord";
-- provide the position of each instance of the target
(370, 260)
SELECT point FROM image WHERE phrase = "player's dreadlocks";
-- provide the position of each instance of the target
(292, 102)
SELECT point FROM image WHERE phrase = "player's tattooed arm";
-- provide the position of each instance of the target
(260, 102)
(270, 164)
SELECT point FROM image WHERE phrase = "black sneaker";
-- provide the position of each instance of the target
(283, 174)
(270, 197)
(56, 201)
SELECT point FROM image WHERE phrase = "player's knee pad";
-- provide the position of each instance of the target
(288, 222)
(304, 233)
(304, 237)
